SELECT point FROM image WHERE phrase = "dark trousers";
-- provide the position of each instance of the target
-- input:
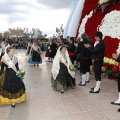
(84, 66)
(119, 85)
(97, 69)
(52, 53)
(119, 81)
(72, 58)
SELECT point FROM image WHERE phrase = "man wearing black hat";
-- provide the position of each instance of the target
(98, 55)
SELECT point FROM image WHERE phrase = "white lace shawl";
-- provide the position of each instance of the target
(56, 63)
(35, 48)
(11, 63)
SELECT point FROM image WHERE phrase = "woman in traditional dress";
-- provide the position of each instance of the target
(12, 89)
(62, 77)
(35, 54)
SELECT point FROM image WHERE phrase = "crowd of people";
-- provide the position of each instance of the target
(62, 53)
(85, 53)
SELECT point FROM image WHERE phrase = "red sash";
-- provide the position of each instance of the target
(71, 54)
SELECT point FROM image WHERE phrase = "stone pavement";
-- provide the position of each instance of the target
(43, 103)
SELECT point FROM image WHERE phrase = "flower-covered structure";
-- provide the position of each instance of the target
(105, 18)
(108, 23)
(100, 15)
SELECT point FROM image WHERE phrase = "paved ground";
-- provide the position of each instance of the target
(43, 103)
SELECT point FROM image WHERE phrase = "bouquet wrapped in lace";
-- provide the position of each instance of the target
(72, 67)
(20, 74)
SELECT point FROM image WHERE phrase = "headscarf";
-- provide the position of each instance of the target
(56, 63)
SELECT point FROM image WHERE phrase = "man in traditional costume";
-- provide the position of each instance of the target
(98, 55)
(84, 56)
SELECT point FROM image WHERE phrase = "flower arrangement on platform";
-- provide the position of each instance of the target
(109, 68)
(20, 74)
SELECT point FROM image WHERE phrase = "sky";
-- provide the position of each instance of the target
(43, 14)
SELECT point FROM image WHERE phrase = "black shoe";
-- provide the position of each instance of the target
(93, 89)
(118, 110)
(87, 81)
(82, 84)
(37, 65)
(13, 105)
(62, 91)
(94, 92)
(115, 103)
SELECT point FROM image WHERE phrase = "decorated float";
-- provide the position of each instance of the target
(91, 16)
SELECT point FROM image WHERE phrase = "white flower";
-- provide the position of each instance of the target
(110, 25)
(84, 21)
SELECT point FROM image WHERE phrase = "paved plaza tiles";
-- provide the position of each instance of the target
(43, 103)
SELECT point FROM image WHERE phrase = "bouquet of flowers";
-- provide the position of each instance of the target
(39, 52)
(72, 67)
(20, 74)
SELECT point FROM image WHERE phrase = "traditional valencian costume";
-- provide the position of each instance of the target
(62, 77)
(34, 56)
(12, 89)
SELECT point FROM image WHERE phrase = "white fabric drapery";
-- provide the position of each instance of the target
(74, 19)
